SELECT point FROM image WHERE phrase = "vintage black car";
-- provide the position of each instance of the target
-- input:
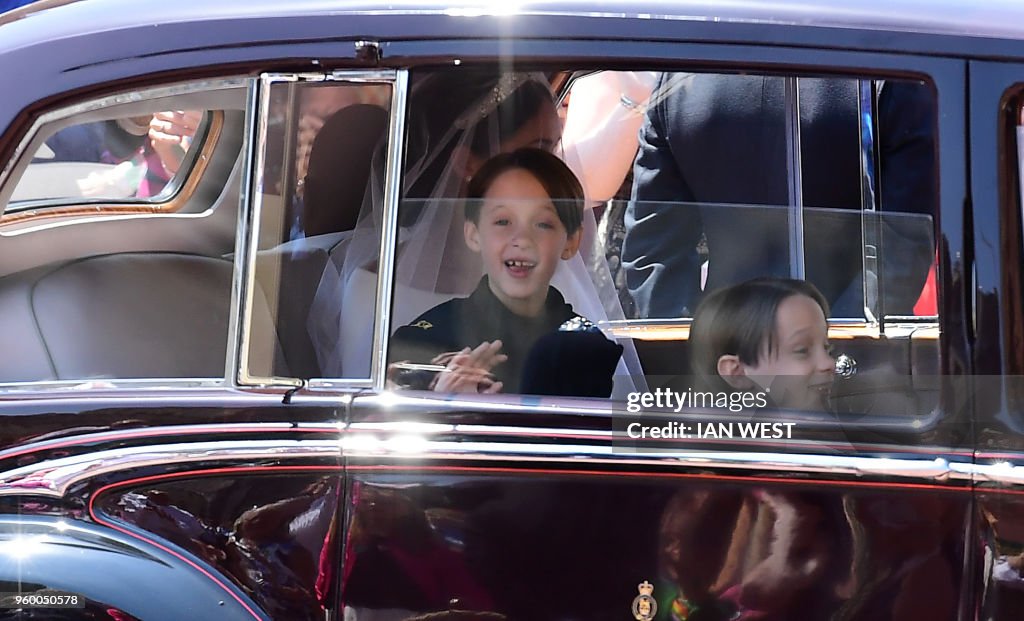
(216, 214)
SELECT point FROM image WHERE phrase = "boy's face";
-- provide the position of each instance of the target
(521, 240)
(801, 369)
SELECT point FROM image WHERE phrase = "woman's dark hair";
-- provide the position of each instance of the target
(740, 321)
(438, 99)
(558, 181)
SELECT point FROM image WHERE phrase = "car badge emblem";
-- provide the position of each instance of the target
(644, 606)
(426, 325)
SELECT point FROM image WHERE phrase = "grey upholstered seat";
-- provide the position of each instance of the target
(128, 315)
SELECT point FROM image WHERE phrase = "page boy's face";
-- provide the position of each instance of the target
(801, 370)
(521, 240)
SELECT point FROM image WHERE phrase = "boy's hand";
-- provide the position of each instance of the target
(470, 370)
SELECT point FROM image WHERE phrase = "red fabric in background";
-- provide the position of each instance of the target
(928, 302)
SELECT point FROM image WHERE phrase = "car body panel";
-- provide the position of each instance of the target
(117, 574)
(299, 502)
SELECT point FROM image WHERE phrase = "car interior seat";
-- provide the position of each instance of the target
(127, 315)
(339, 168)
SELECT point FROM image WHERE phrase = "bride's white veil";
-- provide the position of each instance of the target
(458, 117)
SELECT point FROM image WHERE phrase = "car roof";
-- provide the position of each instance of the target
(53, 50)
(975, 18)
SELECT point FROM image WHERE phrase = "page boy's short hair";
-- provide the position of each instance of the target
(558, 181)
(740, 320)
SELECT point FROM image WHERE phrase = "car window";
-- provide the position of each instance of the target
(113, 158)
(690, 183)
(320, 166)
(107, 285)
(728, 196)
(1020, 153)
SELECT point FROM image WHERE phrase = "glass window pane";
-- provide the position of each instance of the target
(323, 141)
(138, 158)
(688, 185)
(91, 295)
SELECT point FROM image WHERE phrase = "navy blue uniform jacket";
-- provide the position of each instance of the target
(541, 359)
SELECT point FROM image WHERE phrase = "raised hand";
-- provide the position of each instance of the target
(469, 370)
(171, 134)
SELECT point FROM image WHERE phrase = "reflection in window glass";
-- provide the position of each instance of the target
(1020, 152)
(323, 141)
(93, 299)
(711, 141)
(127, 158)
(698, 195)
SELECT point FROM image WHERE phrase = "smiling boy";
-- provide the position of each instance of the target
(523, 217)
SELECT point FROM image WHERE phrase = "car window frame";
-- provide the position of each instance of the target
(397, 79)
(946, 75)
(182, 184)
(120, 384)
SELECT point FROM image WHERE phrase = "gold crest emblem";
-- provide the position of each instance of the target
(423, 324)
(644, 605)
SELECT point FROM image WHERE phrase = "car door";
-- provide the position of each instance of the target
(995, 202)
(144, 424)
(526, 506)
(127, 436)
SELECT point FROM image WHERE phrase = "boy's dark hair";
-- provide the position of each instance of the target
(558, 181)
(740, 321)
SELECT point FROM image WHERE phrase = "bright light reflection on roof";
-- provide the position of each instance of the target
(496, 8)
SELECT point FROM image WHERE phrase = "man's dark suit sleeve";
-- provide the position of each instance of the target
(907, 113)
(429, 335)
(659, 253)
(419, 342)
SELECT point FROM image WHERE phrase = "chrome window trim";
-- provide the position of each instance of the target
(328, 385)
(546, 434)
(241, 278)
(386, 261)
(1020, 163)
(832, 321)
(397, 403)
(104, 384)
(794, 178)
(867, 123)
(76, 220)
(1003, 473)
(249, 230)
(158, 396)
(182, 88)
(896, 327)
(55, 477)
(175, 432)
(369, 76)
(398, 81)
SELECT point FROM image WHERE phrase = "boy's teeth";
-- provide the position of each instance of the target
(518, 264)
